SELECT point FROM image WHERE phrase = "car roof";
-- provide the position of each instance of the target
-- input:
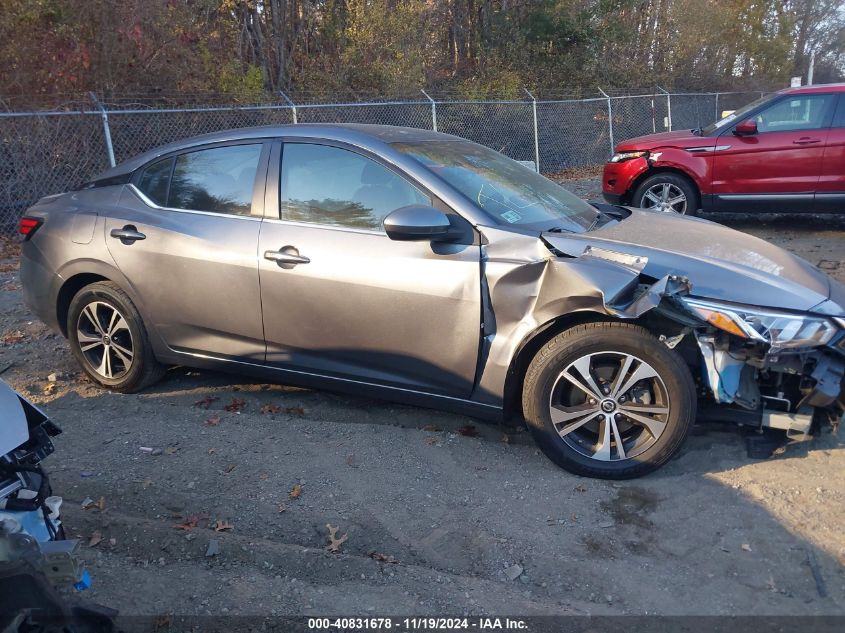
(814, 89)
(354, 133)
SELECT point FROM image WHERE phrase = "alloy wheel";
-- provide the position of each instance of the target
(105, 340)
(609, 406)
(665, 197)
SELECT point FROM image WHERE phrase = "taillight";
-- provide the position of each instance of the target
(28, 226)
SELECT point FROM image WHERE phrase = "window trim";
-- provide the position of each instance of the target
(434, 201)
(257, 205)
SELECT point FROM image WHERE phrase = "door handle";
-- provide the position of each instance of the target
(128, 234)
(286, 257)
(806, 141)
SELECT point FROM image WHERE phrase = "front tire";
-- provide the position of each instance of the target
(667, 192)
(608, 400)
(108, 338)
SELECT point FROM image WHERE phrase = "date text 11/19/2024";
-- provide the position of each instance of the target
(417, 624)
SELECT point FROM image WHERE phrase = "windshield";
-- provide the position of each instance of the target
(736, 115)
(510, 193)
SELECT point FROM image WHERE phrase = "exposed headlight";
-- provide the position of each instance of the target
(623, 156)
(778, 329)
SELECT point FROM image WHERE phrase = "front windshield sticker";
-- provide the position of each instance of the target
(726, 120)
(511, 216)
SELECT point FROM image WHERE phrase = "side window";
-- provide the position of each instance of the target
(801, 112)
(155, 180)
(839, 117)
(219, 180)
(336, 187)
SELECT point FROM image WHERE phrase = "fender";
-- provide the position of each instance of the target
(698, 166)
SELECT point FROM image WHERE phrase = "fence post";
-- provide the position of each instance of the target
(106, 129)
(609, 121)
(717, 107)
(668, 106)
(292, 106)
(536, 133)
(433, 110)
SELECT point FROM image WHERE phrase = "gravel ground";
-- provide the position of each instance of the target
(225, 509)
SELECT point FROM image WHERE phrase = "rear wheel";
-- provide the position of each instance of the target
(608, 400)
(109, 340)
(668, 193)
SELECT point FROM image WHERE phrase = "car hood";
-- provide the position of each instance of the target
(680, 138)
(721, 263)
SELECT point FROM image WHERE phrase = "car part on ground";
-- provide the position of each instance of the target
(424, 229)
(35, 556)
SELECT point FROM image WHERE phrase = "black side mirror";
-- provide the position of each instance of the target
(418, 223)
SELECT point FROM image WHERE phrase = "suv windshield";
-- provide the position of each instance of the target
(510, 193)
(736, 115)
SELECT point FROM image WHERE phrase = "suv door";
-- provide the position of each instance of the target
(185, 235)
(778, 168)
(831, 191)
(350, 302)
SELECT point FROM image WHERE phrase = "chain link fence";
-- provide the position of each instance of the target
(52, 151)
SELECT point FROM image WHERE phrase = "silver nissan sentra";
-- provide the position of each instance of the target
(424, 268)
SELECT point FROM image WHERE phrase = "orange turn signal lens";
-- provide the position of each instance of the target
(721, 321)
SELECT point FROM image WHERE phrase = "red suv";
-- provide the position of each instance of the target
(782, 153)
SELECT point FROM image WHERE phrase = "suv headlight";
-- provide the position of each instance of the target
(623, 156)
(778, 329)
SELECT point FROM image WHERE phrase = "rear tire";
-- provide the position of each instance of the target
(657, 191)
(108, 338)
(629, 415)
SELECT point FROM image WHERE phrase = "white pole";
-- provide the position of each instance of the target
(536, 134)
(812, 65)
(433, 110)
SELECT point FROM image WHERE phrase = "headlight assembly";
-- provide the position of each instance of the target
(623, 156)
(778, 329)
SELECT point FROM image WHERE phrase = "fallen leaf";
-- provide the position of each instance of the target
(270, 408)
(101, 504)
(170, 450)
(163, 621)
(235, 406)
(505, 439)
(745, 547)
(469, 431)
(95, 539)
(580, 488)
(214, 420)
(13, 337)
(296, 491)
(191, 521)
(281, 507)
(383, 558)
(211, 451)
(230, 468)
(431, 428)
(334, 542)
(219, 526)
(294, 410)
(431, 440)
(49, 388)
(205, 402)
(264, 476)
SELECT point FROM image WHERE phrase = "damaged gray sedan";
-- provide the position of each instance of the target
(424, 268)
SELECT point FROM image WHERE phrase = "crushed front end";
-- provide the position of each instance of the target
(766, 368)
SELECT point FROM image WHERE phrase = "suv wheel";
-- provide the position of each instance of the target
(667, 193)
(108, 339)
(608, 400)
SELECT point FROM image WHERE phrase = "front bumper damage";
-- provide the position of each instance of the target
(743, 381)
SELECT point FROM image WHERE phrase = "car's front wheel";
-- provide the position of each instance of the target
(667, 192)
(109, 340)
(608, 400)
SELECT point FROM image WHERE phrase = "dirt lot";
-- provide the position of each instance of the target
(439, 520)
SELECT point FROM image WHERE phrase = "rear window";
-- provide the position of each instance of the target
(216, 180)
